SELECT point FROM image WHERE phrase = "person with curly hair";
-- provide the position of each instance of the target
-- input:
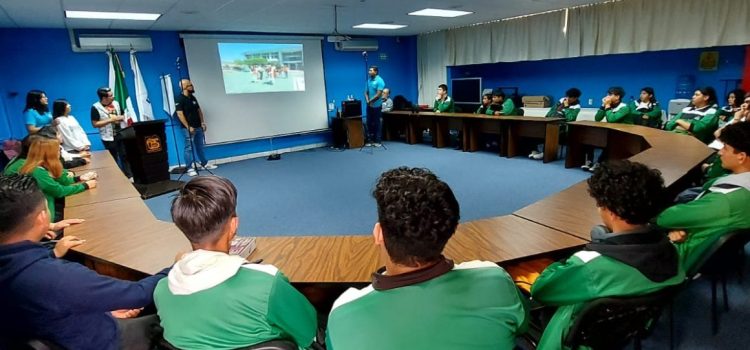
(420, 299)
(722, 207)
(626, 256)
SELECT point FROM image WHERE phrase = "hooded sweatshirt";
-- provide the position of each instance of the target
(212, 300)
(64, 302)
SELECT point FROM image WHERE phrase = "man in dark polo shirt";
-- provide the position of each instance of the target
(193, 125)
(422, 300)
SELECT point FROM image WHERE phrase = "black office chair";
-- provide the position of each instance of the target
(278, 344)
(726, 254)
(612, 323)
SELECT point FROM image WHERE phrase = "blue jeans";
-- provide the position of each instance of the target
(373, 123)
(199, 141)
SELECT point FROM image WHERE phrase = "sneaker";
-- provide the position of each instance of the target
(532, 154)
(377, 144)
(538, 156)
(587, 166)
(368, 144)
(191, 172)
(210, 166)
(593, 168)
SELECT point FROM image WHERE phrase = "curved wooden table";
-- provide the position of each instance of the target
(125, 240)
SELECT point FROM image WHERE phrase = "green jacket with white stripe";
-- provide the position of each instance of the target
(632, 263)
(212, 300)
(703, 122)
(618, 114)
(724, 207)
(470, 306)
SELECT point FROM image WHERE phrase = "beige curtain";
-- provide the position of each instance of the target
(626, 26)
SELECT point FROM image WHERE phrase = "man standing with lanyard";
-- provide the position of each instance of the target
(193, 125)
(373, 98)
(108, 117)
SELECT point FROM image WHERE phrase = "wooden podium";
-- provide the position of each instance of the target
(146, 148)
(348, 131)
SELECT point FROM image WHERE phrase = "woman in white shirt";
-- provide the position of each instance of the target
(74, 138)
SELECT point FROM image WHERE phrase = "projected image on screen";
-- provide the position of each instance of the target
(260, 67)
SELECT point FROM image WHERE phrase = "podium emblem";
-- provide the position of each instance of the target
(153, 144)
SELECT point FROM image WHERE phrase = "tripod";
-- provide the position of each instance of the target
(371, 144)
(190, 135)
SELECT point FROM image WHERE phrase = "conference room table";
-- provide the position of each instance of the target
(124, 239)
(508, 131)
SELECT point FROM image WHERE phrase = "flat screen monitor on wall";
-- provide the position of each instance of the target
(466, 90)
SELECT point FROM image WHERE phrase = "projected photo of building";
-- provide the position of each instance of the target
(260, 67)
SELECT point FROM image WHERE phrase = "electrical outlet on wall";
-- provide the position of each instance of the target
(591, 101)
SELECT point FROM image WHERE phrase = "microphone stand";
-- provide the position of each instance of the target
(179, 169)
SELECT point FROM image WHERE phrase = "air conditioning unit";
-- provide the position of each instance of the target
(357, 45)
(102, 42)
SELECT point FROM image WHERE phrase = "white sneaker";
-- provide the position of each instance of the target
(191, 172)
(533, 153)
(210, 166)
(368, 145)
(538, 156)
(377, 144)
(587, 166)
(594, 167)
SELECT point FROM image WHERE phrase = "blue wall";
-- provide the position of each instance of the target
(594, 74)
(43, 59)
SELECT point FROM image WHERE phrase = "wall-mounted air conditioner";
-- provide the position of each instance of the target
(101, 42)
(357, 45)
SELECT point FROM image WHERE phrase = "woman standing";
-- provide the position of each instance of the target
(74, 139)
(36, 112)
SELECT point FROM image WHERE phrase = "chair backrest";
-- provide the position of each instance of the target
(278, 344)
(718, 257)
(611, 323)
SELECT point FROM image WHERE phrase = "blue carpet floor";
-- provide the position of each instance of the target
(325, 192)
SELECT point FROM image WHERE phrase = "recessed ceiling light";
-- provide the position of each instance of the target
(439, 13)
(113, 15)
(379, 26)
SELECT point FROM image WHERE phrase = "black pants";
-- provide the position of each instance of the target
(117, 149)
(137, 333)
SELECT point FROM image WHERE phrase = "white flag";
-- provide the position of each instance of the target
(167, 94)
(111, 71)
(145, 111)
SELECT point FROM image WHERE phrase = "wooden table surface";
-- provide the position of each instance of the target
(111, 185)
(123, 235)
(99, 159)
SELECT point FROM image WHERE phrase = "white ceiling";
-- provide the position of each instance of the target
(270, 16)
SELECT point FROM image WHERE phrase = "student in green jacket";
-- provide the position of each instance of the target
(568, 107)
(443, 102)
(614, 110)
(486, 101)
(43, 164)
(213, 300)
(734, 102)
(626, 256)
(421, 300)
(722, 207)
(646, 110)
(501, 105)
(700, 118)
